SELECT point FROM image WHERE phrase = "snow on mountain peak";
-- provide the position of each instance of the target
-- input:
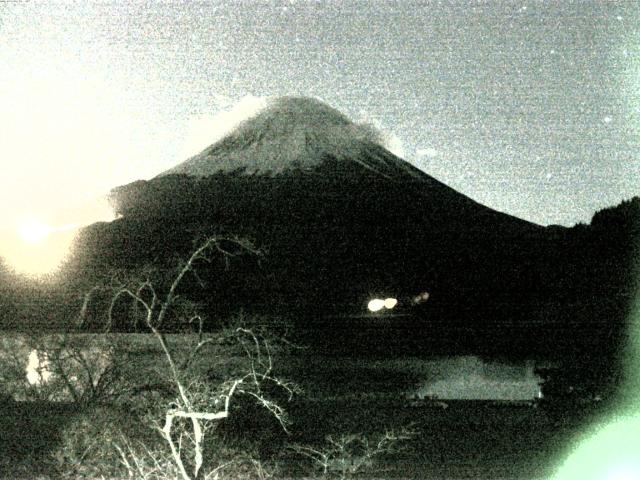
(292, 133)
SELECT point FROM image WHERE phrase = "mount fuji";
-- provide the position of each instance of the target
(343, 220)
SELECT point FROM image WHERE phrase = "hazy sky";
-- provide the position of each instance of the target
(532, 108)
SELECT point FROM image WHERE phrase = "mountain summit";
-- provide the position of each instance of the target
(295, 134)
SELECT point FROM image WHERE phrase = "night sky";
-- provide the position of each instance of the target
(531, 108)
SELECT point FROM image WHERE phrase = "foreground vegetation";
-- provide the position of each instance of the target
(231, 403)
(467, 440)
(342, 422)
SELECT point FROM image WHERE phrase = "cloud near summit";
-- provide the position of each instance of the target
(374, 131)
(205, 129)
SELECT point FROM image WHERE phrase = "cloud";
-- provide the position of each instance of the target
(395, 145)
(429, 152)
(422, 156)
(207, 128)
(372, 129)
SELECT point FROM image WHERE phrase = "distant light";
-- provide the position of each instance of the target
(420, 298)
(38, 368)
(376, 305)
(389, 303)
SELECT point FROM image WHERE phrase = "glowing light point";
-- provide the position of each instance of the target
(33, 231)
(389, 303)
(37, 368)
(376, 305)
(422, 297)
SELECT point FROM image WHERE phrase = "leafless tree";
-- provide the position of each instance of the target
(198, 403)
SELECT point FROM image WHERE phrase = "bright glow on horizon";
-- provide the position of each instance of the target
(35, 253)
(36, 247)
(70, 137)
(33, 230)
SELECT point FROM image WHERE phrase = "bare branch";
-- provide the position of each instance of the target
(175, 453)
(85, 304)
(196, 402)
(123, 291)
(199, 415)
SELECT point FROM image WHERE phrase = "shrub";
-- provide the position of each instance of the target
(351, 454)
